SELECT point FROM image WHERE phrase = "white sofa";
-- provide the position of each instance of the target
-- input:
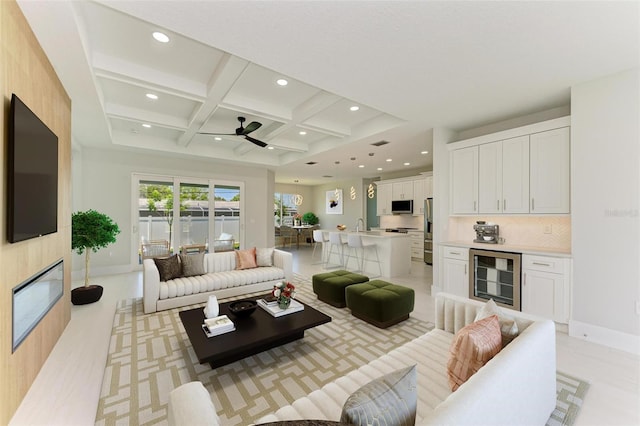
(221, 278)
(516, 387)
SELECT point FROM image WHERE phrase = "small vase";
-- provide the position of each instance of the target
(284, 302)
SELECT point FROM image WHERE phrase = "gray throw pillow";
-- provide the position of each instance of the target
(192, 264)
(264, 256)
(168, 267)
(389, 400)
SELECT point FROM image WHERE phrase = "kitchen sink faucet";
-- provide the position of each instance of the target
(358, 224)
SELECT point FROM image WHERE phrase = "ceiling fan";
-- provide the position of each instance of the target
(243, 131)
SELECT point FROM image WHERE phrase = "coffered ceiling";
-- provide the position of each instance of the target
(407, 66)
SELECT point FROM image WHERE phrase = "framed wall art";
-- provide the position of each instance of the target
(334, 201)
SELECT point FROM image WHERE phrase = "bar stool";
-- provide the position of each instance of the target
(354, 242)
(319, 237)
(335, 240)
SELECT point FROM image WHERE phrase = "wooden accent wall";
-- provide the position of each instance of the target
(26, 71)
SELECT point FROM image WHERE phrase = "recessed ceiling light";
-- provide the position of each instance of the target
(389, 160)
(217, 138)
(354, 108)
(361, 166)
(302, 132)
(161, 37)
(407, 164)
(148, 126)
(424, 152)
(379, 168)
(282, 82)
(270, 147)
(152, 96)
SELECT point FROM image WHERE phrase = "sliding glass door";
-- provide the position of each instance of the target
(157, 200)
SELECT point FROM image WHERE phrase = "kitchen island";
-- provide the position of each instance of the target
(394, 252)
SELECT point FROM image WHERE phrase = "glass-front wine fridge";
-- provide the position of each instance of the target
(495, 275)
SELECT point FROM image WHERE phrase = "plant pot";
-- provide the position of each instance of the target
(86, 295)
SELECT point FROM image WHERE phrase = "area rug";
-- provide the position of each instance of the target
(150, 355)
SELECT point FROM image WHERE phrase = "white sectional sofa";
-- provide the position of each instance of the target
(220, 278)
(516, 387)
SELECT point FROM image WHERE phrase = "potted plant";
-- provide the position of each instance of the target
(90, 231)
(310, 218)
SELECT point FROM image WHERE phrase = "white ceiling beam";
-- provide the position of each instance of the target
(229, 69)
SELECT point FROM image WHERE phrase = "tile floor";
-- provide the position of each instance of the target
(67, 390)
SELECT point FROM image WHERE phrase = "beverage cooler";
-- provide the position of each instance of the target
(495, 275)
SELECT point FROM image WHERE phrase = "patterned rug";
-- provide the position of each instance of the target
(150, 355)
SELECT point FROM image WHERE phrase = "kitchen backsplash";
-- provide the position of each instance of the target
(401, 221)
(522, 231)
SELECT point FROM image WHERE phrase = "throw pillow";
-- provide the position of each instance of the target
(246, 259)
(508, 326)
(192, 264)
(264, 257)
(168, 267)
(472, 347)
(389, 400)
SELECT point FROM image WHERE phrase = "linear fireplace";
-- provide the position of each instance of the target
(33, 298)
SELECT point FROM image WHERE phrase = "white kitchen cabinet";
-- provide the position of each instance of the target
(383, 199)
(503, 176)
(418, 197)
(428, 187)
(464, 180)
(550, 171)
(455, 270)
(417, 245)
(546, 287)
(402, 190)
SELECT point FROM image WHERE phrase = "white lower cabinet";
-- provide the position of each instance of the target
(417, 245)
(455, 270)
(546, 284)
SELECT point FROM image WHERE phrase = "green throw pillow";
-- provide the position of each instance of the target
(389, 400)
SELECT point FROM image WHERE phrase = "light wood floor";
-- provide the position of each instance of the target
(67, 390)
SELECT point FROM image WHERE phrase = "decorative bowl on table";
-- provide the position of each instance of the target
(242, 308)
(341, 227)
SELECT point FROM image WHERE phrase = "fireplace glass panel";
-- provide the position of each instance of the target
(34, 298)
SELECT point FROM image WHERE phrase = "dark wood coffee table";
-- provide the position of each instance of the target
(252, 335)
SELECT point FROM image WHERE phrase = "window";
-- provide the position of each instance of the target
(284, 209)
(156, 207)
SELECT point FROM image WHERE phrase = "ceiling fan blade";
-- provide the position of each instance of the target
(255, 141)
(251, 127)
(217, 134)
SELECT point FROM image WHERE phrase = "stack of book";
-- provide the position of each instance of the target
(218, 325)
(273, 308)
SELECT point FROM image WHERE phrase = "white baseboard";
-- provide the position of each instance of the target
(104, 270)
(605, 336)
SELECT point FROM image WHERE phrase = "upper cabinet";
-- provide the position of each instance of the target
(383, 199)
(550, 172)
(523, 174)
(402, 190)
(464, 180)
(503, 176)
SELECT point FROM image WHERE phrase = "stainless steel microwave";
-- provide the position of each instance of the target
(402, 207)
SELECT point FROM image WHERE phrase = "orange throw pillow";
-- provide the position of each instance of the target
(472, 347)
(246, 259)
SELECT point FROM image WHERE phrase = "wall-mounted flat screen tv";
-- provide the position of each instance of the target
(32, 181)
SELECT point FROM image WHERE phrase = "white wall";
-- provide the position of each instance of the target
(106, 187)
(606, 220)
(351, 209)
(441, 137)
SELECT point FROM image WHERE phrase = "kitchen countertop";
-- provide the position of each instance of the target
(543, 251)
(374, 234)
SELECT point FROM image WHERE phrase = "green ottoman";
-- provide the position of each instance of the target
(380, 303)
(330, 286)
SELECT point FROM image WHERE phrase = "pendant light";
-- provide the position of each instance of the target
(371, 192)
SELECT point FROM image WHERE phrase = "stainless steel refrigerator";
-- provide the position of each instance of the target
(428, 231)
